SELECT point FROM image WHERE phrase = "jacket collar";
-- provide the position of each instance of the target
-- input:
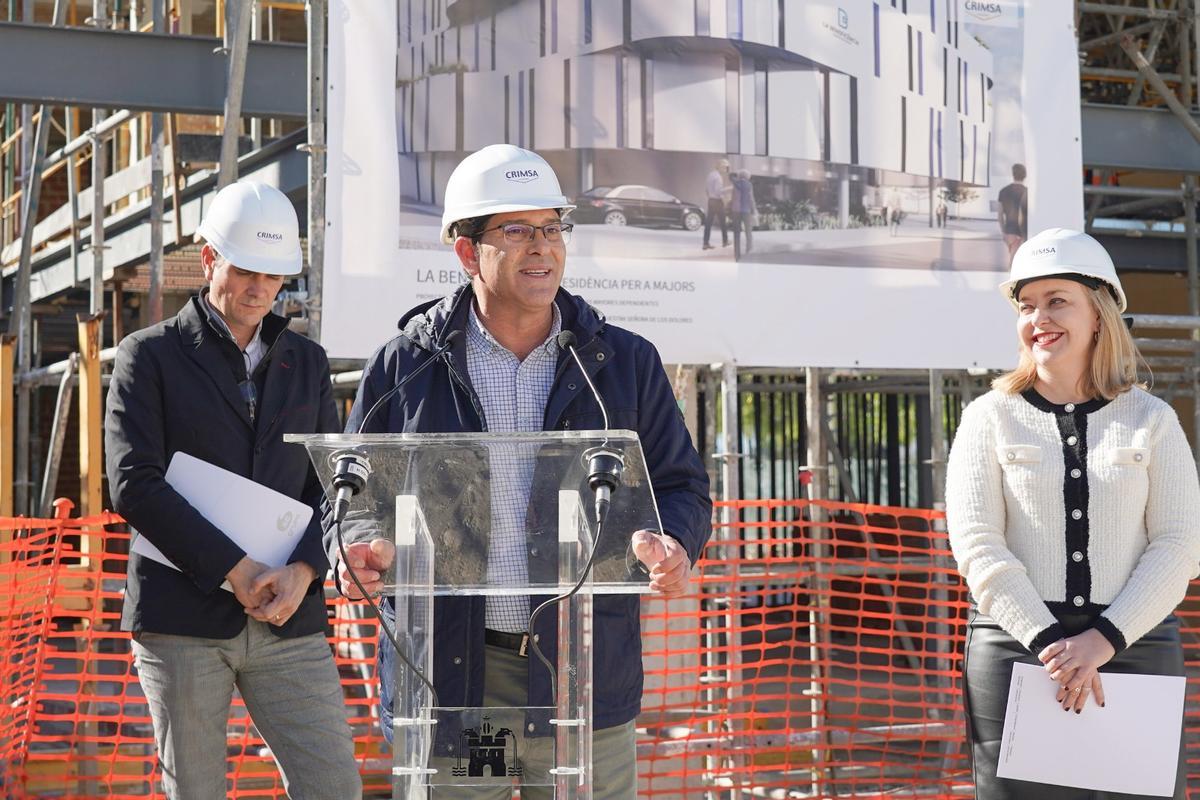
(207, 341)
(428, 324)
(269, 330)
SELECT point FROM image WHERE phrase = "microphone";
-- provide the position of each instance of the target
(350, 472)
(351, 467)
(605, 464)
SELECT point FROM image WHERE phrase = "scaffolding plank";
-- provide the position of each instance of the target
(146, 71)
(128, 232)
(1124, 137)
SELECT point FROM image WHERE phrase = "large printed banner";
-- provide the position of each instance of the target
(802, 183)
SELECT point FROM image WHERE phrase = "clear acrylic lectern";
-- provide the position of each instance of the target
(434, 496)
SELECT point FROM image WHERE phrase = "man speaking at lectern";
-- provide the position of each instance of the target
(502, 369)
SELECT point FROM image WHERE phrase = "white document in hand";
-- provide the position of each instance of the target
(263, 522)
(1131, 745)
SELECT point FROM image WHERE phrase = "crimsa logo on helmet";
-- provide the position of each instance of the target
(270, 237)
(521, 175)
(1043, 251)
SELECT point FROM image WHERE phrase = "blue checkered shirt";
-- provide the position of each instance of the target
(513, 394)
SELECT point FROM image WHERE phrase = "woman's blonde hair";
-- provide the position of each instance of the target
(1114, 356)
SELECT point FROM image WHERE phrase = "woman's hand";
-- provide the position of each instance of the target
(1077, 699)
(1073, 662)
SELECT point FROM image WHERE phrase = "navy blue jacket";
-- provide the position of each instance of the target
(629, 375)
(175, 389)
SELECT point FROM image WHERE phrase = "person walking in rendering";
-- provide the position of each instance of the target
(895, 209)
(742, 212)
(714, 189)
(1013, 216)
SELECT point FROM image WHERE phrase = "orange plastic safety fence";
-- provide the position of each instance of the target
(73, 720)
(818, 656)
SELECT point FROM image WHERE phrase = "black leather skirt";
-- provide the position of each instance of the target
(990, 656)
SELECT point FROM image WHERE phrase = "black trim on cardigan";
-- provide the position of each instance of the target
(1110, 631)
(1073, 427)
(1046, 638)
(1042, 404)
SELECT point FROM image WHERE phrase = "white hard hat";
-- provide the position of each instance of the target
(1062, 251)
(254, 227)
(497, 179)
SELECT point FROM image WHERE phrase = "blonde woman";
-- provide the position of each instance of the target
(1072, 504)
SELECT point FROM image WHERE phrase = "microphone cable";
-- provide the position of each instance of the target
(349, 479)
(607, 467)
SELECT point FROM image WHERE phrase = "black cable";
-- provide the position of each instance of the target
(391, 635)
(537, 650)
(447, 343)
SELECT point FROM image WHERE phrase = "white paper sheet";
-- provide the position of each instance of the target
(263, 522)
(1131, 745)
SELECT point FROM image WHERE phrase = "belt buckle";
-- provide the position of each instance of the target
(523, 650)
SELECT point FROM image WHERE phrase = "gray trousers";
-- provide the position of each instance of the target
(614, 751)
(291, 689)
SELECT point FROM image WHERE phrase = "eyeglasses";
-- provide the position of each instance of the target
(520, 233)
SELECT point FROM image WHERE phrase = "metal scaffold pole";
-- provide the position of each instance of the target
(99, 167)
(21, 321)
(816, 426)
(237, 44)
(316, 164)
(156, 199)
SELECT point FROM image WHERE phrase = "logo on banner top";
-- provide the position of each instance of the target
(1004, 13)
(842, 31)
(521, 175)
(981, 10)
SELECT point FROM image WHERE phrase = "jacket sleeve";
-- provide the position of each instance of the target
(311, 549)
(676, 471)
(1160, 579)
(976, 518)
(136, 454)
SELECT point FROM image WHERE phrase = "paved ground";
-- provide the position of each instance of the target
(962, 245)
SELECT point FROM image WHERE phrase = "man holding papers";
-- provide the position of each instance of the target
(222, 381)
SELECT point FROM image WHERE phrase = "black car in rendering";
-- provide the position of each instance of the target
(634, 204)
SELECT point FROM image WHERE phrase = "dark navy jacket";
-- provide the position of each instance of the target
(175, 389)
(629, 375)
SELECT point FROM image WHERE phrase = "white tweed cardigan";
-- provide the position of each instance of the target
(1089, 509)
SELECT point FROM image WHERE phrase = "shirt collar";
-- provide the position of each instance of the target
(479, 332)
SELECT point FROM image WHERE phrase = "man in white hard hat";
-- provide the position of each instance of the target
(505, 370)
(222, 381)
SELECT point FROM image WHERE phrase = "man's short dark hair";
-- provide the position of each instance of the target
(472, 228)
(1018, 172)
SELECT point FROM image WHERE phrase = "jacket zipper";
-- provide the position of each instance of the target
(469, 649)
